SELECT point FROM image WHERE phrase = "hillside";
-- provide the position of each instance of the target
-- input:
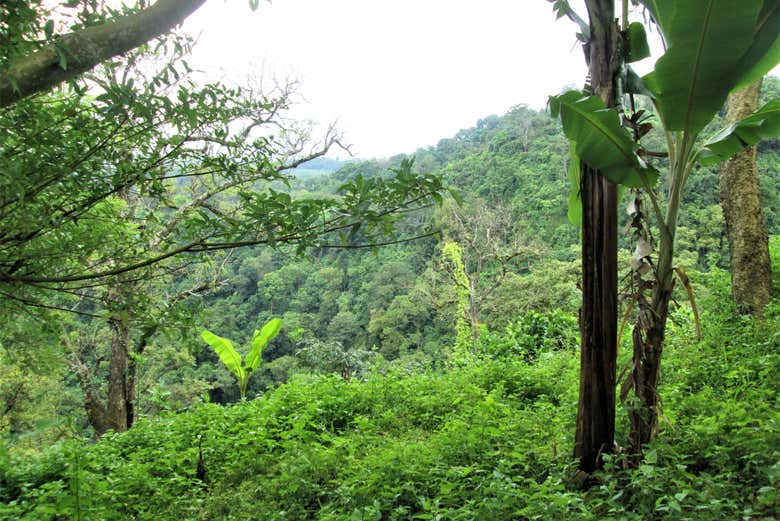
(558, 314)
(485, 438)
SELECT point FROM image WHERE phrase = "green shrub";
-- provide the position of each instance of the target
(489, 441)
(531, 334)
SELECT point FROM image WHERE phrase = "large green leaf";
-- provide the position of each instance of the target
(599, 139)
(224, 349)
(632, 83)
(259, 340)
(707, 42)
(636, 38)
(762, 124)
(764, 54)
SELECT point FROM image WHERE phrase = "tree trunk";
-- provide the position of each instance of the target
(97, 415)
(473, 313)
(120, 394)
(740, 198)
(648, 340)
(595, 432)
(85, 48)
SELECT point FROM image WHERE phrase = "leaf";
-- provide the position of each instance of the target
(762, 124)
(562, 8)
(599, 139)
(651, 457)
(652, 6)
(224, 349)
(691, 297)
(259, 341)
(636, 38)
(764, 54)
(63, 59)
(706, 41)
(633, 84)
(48, 29)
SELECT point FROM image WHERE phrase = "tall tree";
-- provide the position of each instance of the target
(595, 433)
(491, 245)
(740, 198)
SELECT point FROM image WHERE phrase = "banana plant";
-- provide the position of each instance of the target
(243, 369)
(713, 47)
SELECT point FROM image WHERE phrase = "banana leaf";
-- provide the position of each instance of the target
(712, 46)
(599, 140)
(259, 340)
(762, 124)
(224, 349)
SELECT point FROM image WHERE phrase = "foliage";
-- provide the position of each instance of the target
(487, 441)
(531, 335)
(710, 49)
(232, 360)
(332, 357)
(379, 401)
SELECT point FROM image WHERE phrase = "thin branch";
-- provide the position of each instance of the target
(379, 244)
(32, 303)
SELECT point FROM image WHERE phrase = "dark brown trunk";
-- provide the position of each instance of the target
(598, 322)
(595, 434)
(740, 198)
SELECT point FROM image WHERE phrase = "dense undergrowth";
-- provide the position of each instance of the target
(490, 440)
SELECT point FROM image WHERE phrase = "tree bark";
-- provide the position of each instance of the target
(120, 394)
(648, 340)
(740, 198)
(83, 49)
(97, 415)
(595, 434)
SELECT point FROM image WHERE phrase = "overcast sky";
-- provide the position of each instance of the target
(396, 74)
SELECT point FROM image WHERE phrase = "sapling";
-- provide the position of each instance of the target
(242, 370)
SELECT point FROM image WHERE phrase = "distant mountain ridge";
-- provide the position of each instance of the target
(319, 166)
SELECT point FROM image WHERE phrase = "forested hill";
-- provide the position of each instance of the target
(401, 301)
(205, 317)
(376, 401)
(340, 307)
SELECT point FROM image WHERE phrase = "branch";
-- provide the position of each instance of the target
(35, 304)
(378, 244)
(79, 51)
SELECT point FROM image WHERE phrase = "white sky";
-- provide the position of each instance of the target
(396, 74)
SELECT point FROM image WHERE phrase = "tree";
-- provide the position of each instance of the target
(64, 156)
(29, 65)
(740, 196)
(490, 245)
(107, 192)
(595, 433)
(713, 48)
